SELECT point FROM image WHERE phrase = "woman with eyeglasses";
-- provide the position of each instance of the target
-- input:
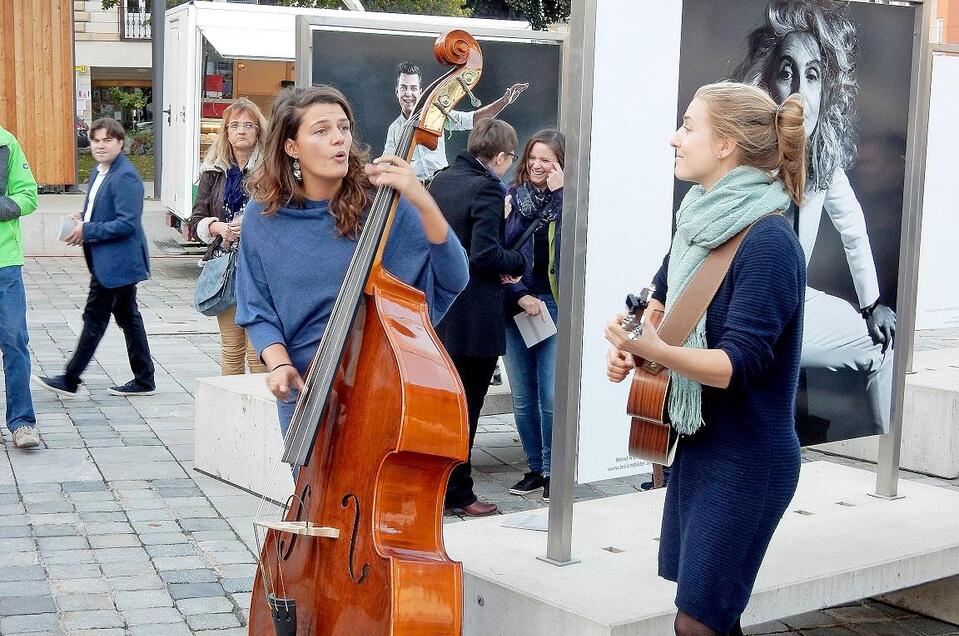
(218, 214)
(534, 206)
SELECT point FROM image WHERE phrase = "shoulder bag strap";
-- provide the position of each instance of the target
(695, 299)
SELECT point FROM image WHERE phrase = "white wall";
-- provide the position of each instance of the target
(630, 203)
(938, 297)
(127, 54)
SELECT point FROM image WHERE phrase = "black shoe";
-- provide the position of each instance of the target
(497, 379)
(59, 384)
(132, 388)
(531, 482)
(546, 489)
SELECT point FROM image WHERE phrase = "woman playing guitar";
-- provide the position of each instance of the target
(733, 381)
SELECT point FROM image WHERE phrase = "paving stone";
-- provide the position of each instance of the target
(166, 629)
(204, 605)
(28, 624)
(70, 557)
(97, 632)
(238, 584)
(164, 538)
(212, 621)
(45, 507)
(148, 527)
(97, 505)
(179, 563)
(152, 514)
(80, 586)
(230, 558)
(25, 588)
(214, 535)
(20, 605)
(20, 559)
(82, 571)
(114, 541)
(108, 528)
(87, 496)
(84, 486)
(92, 619)
(195, 590)
(127, 568)
(56, 544)
(14, 520)
(188, 576)
(8, 546)
(131, 583)
(64, 530)
(242, 600)
(192, 525)
(102, 517)
(121, 555)
(15, 532)
(13, 574)
(238, 631)
(82, 602)
(142, 599)
(152, 615)
(171, 550)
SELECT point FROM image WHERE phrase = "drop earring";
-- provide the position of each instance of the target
(297, 173)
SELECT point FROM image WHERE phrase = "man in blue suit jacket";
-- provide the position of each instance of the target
(110, 229)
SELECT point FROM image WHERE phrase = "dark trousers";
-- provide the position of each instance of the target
(121, 302)
(475, 373)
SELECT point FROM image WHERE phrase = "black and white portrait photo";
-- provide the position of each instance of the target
(851, 63)
(525, 94)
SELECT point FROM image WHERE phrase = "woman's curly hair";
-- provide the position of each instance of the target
(273, 183)
(832, 144)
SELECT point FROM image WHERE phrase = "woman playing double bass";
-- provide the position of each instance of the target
(734, 379)
(301, 229)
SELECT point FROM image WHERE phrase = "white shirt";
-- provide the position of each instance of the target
(101, 175)
(840, 203)
(427, 162)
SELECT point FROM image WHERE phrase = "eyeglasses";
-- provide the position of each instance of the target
(511, 154)
(247, 125)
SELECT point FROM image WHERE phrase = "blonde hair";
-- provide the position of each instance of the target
(769, 137)
(220, 154)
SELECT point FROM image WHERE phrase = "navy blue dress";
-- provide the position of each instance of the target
(733, 480)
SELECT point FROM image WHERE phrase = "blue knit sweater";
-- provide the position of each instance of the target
(733, 479)
(292, 263)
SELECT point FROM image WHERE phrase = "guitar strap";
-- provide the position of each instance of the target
(693, 302)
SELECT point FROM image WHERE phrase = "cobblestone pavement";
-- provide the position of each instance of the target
(108, 530)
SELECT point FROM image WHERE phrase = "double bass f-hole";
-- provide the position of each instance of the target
(356, 527)
(285, 546)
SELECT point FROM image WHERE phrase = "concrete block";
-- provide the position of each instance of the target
(237, 435)
(845, 546)
(930, 423)
(939, 599)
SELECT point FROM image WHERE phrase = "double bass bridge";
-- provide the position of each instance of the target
(300, 528)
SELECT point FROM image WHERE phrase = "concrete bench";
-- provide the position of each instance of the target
(237, 435)
(835, 544)
(930, 433)
(237, 432)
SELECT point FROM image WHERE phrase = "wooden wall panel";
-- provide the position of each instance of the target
(36, 85)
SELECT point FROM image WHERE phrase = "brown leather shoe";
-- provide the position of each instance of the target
(477, 509)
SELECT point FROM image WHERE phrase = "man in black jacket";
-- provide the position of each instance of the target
(471, 195)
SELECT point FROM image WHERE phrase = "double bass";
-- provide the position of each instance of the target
(378, 426)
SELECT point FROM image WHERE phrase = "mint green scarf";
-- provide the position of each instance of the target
(705, 221)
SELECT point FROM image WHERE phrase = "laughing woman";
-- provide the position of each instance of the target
(309, 199)
(734, 379)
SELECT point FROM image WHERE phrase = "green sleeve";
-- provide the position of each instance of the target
(21, 186)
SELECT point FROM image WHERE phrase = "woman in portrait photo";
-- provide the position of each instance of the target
(809, 47)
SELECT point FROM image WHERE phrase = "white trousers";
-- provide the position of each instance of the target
(835, 336)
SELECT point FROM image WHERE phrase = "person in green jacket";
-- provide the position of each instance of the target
(18, 197)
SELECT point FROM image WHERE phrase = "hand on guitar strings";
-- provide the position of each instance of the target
(618, 365)
(647, 345)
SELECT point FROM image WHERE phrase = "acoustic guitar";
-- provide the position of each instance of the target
(651, 438)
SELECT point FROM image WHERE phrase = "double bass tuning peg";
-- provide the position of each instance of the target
(466, 87)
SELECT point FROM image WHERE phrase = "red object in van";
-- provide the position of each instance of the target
(213, 83)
